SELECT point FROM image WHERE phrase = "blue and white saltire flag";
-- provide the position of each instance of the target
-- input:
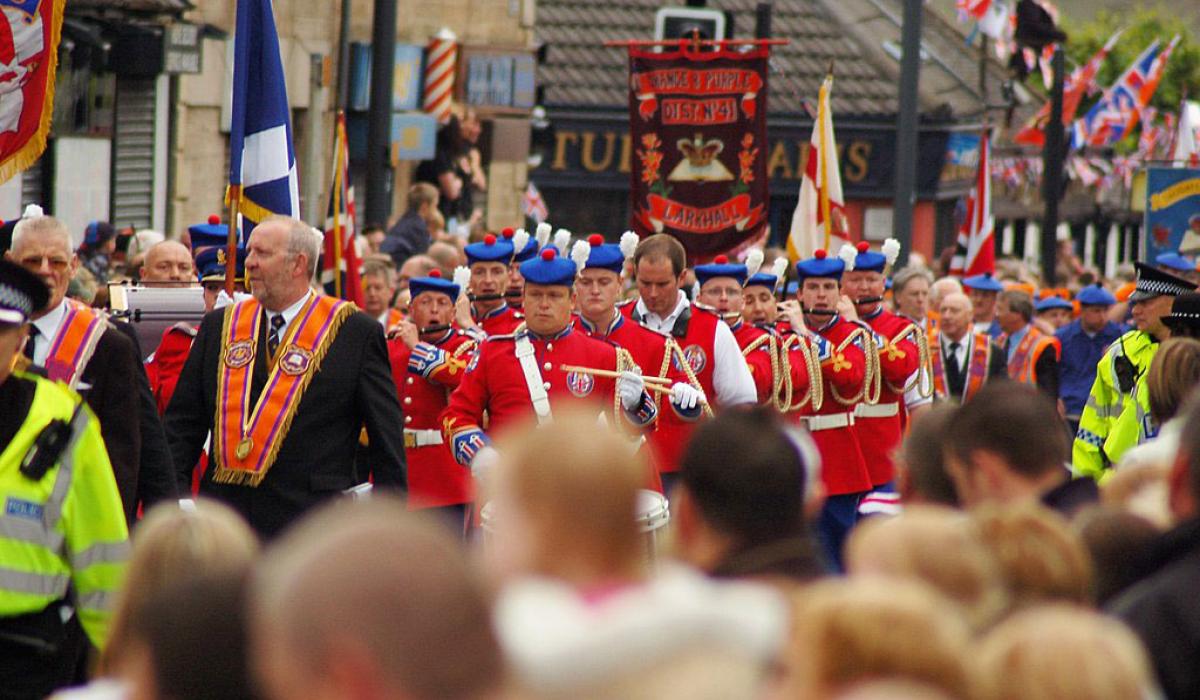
(261, 157)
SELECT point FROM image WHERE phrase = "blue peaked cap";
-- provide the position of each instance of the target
(490, 249)
(721, 267)
(1095, 295)
(983, 283)
(1175, 261)
(604, 256)
(763, 279)
(210, 264)
(432, 283)
(549, 269)
(1052, 303)
(820, 265)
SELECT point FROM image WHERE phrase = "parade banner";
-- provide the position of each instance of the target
(1172, 212)
(28, 59)
(698, 129)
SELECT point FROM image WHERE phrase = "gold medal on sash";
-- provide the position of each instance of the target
(244, 446)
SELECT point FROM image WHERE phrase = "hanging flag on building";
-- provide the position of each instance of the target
(698, 128)
(341, 266)
(1185, 146)
(1110, 119)
(28, 59)
(820, 217)
(533, 204)
(262, 161)
(1078, 83)
(1157, 70)
(975, 249)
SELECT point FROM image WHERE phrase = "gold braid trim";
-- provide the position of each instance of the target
(769, 340)
(924, 361)
(625, 363)
(677, 353)
(871, 377)
(816, 383)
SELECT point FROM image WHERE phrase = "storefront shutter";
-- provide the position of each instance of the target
(133, 154)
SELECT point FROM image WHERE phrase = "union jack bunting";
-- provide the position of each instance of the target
(1110, 119)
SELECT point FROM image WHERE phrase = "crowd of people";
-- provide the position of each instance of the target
(536, 465)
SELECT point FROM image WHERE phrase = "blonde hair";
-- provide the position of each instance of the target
(171, 544)
(936, 546)
(1040, 557)
(577, 486)
(1061, 652)
(854, 630)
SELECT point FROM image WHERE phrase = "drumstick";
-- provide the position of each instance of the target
(661, 381)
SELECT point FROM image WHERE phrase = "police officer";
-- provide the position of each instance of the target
(545, 364)
(63, 539)
(428, 356)
(1084, 341)
(1117, 411)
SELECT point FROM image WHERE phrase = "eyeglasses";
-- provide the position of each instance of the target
(35, 262)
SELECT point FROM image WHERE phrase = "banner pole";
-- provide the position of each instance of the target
(235, 205)
(823, 164)
(337, 210)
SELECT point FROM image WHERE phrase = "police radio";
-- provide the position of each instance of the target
(1126, 373)
(48, 447)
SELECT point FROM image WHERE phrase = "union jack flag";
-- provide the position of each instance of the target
(1110, 119)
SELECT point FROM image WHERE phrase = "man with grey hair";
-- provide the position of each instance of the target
(364, 600)
(84, 350)
(285, 381)
(910, 294)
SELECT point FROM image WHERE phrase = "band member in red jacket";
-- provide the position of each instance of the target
(489, 261)
(847, 379)
(429, 357)
(545, 364)
(902, 350)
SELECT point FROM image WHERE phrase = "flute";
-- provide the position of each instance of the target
(485, 297)
(650, 381)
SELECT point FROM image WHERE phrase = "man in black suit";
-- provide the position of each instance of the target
(958, 355)
(333, 358)
(81, 348)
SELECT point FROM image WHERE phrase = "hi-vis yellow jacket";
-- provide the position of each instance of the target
(1114, 420)
(66, 530)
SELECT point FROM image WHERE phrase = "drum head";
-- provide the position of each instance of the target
(652, 510)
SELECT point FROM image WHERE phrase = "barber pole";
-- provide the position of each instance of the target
(440, 62)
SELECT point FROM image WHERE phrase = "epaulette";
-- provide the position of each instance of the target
(185, 328)
(701, 309)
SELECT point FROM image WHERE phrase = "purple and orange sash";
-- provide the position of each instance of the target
(977, 366)
(247, 438)
(73, 344)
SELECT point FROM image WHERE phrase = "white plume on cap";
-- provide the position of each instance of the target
(562, 239)
(542, 235)
(891, 251)
(848, 253)
(520, 239)
(754, 261)
(579, 254)
(629, 242)
(462, 278)
(779, 267)
(32, 211)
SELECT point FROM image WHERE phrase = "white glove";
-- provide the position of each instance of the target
(686, 396)
(630, 388)
(223, 299)
(483, 462)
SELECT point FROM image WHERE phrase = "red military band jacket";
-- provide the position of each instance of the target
(423, 385)
(879, 425)
(500, 321)
(164, 366)
(844, 374)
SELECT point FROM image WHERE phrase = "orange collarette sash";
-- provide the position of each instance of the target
(247, 438)
(73, 344)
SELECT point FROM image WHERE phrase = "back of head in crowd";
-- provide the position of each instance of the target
(922, 476)
(1007, 444)
(1061, 652)
(727, 518)
(565, 499)
(1041, 559)
(1173, 373)
(366, 600)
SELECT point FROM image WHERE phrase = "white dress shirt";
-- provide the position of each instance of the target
(731, 376)
(47, 327)
(289, 314)
(962, 353)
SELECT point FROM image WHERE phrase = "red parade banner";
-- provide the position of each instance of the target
(698, 125)
(29, 38)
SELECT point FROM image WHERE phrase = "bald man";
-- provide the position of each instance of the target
(168, 264)
(963, 360)
(416, 266)
(365, 600)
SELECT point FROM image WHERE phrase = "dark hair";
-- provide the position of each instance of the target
(1173, 372)
(1019, 302)
(664, 246)
(195, 631)
(1189, 439)
(1014, 421)
(372, 228)
(923, 460)
(746, 476)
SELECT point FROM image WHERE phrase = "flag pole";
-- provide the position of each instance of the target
(337, 209)
(235, 204)
(823, 163)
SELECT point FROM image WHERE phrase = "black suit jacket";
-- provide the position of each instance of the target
(109, 385)
(353, 388)
(997, 369)
(156, 472)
